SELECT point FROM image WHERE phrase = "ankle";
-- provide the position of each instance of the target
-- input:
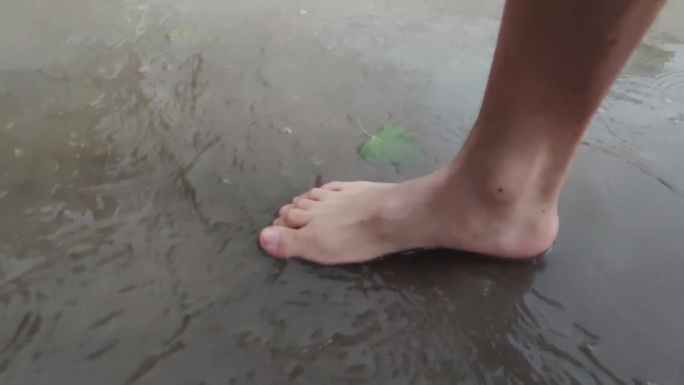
(503, 187)
(506, 176)
(472, 213)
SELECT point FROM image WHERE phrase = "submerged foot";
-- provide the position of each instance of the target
(352, 222)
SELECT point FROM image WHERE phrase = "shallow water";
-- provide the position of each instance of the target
(137, 167)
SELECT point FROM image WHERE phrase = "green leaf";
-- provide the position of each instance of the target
(177, 34)
(192, 36)
(391, 145)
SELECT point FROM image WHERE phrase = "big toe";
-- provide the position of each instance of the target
(281, 242)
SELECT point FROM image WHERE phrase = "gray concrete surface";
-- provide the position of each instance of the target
(136, 172)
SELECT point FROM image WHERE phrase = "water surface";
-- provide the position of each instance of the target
(144, 143)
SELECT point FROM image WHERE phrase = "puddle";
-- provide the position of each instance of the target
(137, 170)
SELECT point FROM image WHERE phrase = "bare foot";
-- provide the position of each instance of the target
(352, 222)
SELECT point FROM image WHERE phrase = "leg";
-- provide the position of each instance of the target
(554, 63)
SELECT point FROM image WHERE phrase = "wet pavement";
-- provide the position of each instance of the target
(144, 143)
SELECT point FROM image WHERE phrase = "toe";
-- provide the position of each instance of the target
(333, 186)
(297, 199)
(305, 204)
(284, 210)
(281, 242)
(317, 194)
(296, 218)
(279, 222)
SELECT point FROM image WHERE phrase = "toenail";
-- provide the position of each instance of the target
(283, 210)
(271, 237)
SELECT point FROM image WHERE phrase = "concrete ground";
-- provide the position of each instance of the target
(144, 143)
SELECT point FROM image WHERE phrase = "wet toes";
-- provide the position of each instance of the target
(317, 194)
(282, 242)
(296, 218)
(310, 195)
(333, 186)
(305, 204)
(284, 209)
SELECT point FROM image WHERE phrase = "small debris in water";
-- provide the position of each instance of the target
(176, 34)
(225, 181)
(97, 101)
(3, 193)
(167, 231)
(18, 152)
(286, 130)
(667, 101)
(303, 12)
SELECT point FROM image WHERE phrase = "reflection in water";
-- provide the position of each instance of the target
(648, 88)
(137, 171)
(644, 109)
(506, 327)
